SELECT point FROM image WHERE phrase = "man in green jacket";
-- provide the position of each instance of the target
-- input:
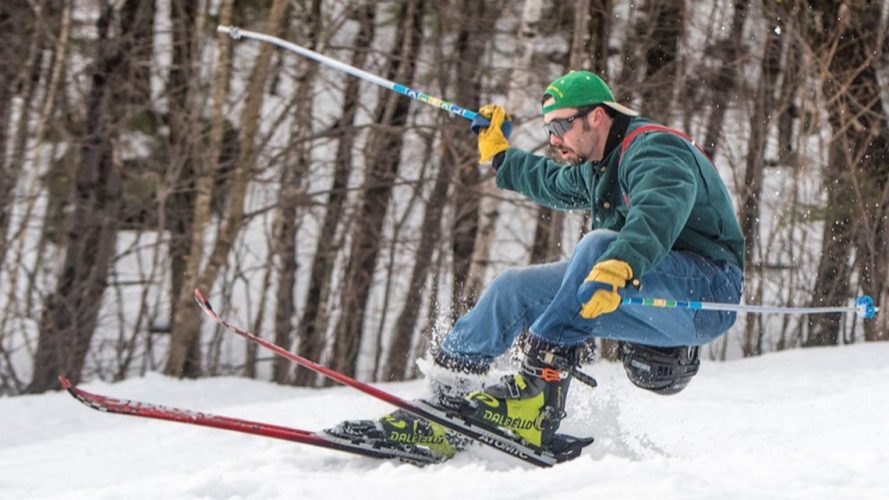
(663, 227)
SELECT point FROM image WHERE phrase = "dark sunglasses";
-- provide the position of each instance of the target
(561, 126)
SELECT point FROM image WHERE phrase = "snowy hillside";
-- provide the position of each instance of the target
(804, 424)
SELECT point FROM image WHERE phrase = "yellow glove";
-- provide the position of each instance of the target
(598, 293)
(492, 139)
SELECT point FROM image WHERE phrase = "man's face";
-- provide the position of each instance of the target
(579, 139)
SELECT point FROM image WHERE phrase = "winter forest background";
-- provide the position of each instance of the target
(143, 155)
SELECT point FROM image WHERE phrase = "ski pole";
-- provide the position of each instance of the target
(237, 34)
(864, 306)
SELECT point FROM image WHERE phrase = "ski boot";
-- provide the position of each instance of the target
(531, 403)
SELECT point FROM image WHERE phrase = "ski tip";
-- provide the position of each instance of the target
(66, 384)
(202, 301)
(204, 304)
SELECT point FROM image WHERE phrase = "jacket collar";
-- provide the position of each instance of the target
(619, 125)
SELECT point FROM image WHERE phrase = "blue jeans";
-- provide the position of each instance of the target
(543, 299)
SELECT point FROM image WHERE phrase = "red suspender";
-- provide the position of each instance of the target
(655, 128)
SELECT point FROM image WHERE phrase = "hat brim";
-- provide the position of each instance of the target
(620, 108)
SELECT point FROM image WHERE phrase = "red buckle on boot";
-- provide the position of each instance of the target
(550, 375)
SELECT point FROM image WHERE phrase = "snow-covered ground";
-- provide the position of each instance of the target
(803, 424)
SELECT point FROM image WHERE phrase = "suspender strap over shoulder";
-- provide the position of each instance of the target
(655, 128)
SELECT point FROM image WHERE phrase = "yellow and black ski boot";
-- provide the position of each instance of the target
(530, 403)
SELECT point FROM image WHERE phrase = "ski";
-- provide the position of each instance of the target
(496, 438)
(324, 439)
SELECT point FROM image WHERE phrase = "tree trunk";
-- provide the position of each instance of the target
(184, 356)
(186, 320)
(858, 201)
(724, 95)
(463, 239)
(20, 74)
(477, 212)
(751, 195)
(383, 152)
(15, 21)
(177, 203)
(832, 276)
(313, 323)
(296, 166)
(71, 311)
(430, 232)
(138, 19)
(596, 51)
(666, 24)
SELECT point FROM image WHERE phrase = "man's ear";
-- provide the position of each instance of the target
(599, 115)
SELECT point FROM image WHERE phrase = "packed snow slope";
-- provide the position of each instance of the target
(804, 424)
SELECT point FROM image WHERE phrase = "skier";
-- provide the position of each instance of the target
(663, 226)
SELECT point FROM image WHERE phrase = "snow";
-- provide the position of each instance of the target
(796, 424)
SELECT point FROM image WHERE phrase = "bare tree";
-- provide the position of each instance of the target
(453, 151)
(71, 311)
(467, 204)
(834, 267)
(664, 30)
(857, 171)
(297, 163)
(724, 89)
(20, 75)
(314, 320)
(176, 198)
(751, 189)
(474, 204)
(383, 151)
(184, 357)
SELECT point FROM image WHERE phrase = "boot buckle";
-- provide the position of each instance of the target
(550, 375)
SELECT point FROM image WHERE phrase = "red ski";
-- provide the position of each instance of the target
(322, 439)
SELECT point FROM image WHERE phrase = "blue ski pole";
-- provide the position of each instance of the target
(864, 306)
(237, 33)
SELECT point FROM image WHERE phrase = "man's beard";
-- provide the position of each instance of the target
(561, 160)
(577, 159)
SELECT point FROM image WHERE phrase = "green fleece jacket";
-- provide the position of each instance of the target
(663, 195)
